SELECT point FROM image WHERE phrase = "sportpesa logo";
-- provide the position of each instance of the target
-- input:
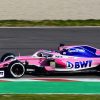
(80, 64)
(76, 50)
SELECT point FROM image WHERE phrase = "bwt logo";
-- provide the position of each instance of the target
(80, 64)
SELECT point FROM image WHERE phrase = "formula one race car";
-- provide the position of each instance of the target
(69, 59)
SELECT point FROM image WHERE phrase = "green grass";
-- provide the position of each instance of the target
(21, 23)
(49, 87)
(49, 97)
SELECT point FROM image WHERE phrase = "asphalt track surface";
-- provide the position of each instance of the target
(28, 40)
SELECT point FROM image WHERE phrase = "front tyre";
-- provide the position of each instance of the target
(15, 69)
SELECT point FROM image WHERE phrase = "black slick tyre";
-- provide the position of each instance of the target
(7, 56)
(15, 69)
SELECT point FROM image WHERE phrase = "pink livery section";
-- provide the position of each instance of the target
(98, 52)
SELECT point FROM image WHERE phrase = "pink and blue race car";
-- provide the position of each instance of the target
(69, 59)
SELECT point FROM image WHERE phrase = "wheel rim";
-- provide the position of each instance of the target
(17, 70)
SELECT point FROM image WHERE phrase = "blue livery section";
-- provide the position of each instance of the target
(80, 51)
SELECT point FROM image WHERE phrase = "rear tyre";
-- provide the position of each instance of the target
(15, 70)
(7, 56)
(98, 70)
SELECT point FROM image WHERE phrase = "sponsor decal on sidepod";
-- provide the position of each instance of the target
(80, 64)
(1, 73)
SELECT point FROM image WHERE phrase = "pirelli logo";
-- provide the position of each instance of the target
(1, 73)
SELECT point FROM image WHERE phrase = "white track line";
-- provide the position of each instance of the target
(53, 79)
